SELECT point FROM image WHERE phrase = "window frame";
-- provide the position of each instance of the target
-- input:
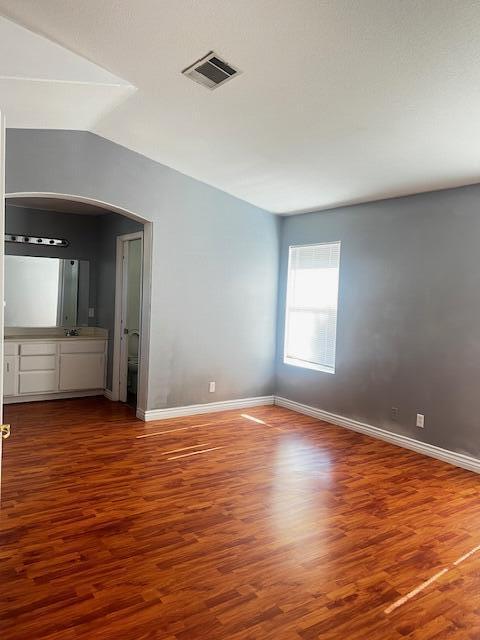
(295, 362)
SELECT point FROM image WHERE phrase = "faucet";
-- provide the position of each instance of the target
(70, 333)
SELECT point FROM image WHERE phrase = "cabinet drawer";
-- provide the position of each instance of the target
(82, 371)
(83, 346)
(38, 363)
(38, 348)
(38, 381)
(10, 348)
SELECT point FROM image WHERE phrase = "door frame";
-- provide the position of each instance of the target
(142, 395)
(120, 344)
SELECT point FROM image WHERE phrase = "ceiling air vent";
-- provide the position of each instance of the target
(211, 71)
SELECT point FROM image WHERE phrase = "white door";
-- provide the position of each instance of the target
(123, 325)
(128, 304)
(4, 428)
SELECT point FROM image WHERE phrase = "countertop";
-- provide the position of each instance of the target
(50, 338)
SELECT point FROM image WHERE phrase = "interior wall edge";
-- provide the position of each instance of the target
(202, 236)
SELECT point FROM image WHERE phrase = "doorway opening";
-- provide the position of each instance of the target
(128, 316)
(103, 253)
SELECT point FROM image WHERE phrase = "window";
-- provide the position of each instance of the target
(312, 301)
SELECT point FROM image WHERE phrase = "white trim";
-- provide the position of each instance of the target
(304, 364)
(142, 389)
(135, 235)
(457, 459)
(291, 360)
(65, 395)
(144, 353)
(73, 198)
(108, 394)
(311, 244)
(121, 367)
(210, 407)
(116, 323)
(2, 268)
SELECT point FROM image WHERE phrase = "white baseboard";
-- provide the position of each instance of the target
(457, 459)
(108, 394)
(210, 407)
(62, 395)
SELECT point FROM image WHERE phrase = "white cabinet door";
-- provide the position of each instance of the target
(82, 371)
(10, 375)
(38, 381)
(10, 348)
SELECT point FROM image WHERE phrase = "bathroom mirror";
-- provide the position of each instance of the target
(46, 292)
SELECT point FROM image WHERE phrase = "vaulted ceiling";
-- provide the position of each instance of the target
(339, 101)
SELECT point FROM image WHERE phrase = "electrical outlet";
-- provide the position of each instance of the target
(420, 420)
(395, 412)
(91, 312)
(211, 387)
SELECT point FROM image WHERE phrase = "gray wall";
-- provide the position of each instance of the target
(215, 262)
(81, 232)
(409, 316)
(408, 326)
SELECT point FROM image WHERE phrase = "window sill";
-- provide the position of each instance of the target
(308, 365)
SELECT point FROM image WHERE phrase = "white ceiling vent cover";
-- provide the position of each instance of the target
(211, 71)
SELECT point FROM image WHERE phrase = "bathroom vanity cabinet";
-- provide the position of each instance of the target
(47, 368)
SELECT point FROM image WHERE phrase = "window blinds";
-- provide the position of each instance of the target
(312, 302)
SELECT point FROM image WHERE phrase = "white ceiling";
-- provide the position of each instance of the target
(44, 85)
(339, 101)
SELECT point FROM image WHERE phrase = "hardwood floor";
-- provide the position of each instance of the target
(283, 529)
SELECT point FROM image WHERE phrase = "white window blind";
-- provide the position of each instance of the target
(312, 302)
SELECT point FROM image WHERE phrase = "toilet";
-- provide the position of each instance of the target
(132, 376)
(133, 363)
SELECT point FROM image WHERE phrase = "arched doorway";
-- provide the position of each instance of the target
(81, 204)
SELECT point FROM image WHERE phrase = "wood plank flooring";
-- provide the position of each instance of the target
(283, 529)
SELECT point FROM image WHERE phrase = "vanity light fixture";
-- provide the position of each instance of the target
(57, 242)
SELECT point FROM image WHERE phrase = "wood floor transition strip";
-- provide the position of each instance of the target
(193, 446)
(411, 594)
(194, 453)
(466, 555)
(161, 433)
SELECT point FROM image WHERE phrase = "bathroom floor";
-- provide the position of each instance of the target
(132, 381)
(131, 399)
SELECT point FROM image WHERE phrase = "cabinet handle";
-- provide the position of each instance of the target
(8, 367)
